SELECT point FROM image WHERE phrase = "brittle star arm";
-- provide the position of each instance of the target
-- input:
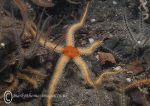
(27, 78)
(84, 69)
(136, 84)
(63, 60)
(75, 27)
(23, 9)
(87, 76)
(11, 87)
(51, 46)
(98, 81)
(89, 50)
(29, 25)
(35, 72)
(43, 3)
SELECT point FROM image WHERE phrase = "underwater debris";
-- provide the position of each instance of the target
(106, 57)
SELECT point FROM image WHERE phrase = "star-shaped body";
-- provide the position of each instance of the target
(69, 52)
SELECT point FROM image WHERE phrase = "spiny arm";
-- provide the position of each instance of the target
(23, 9)
(35, 72)
(87, 76)
(136, 84)
(32, 28)
(84, 69)
(51, 46)
(11, 87)
(57, 74)
(89, 50)
(43, 3)
(105, 75)
(29, 25)
(28, 79)
(75, 27)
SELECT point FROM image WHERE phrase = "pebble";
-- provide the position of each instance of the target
(114, 2)
(93, 20)
(139, 42)
(97, 57)
(117, 68)
(2, 44)
(128, 79)
(83, 42)
(109, 87)
(91, 40)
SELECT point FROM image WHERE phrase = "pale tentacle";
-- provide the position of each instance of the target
(84, 69)
(89, 50)
(57, 74)
(28, 79)
(75, 27)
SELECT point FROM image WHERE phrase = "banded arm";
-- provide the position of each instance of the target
(51, 46)
(11, 87)
(63, 60)
(89, 50)
(87, 76)
(43, 3)
(104, 76)
(23, 9)
(75, 27)
(30, 26)
(27, 78)
(85, 70)
(136, 84)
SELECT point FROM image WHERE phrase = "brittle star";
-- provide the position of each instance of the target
(71, 52)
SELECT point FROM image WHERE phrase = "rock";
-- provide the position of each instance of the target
(106, 57)
(109, 87)
(91, 40)
(135, 66)
(93, 20)
(128, 79)
(118, 68)
(114, 2)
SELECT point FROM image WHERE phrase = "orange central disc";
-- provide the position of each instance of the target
(70, 51)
